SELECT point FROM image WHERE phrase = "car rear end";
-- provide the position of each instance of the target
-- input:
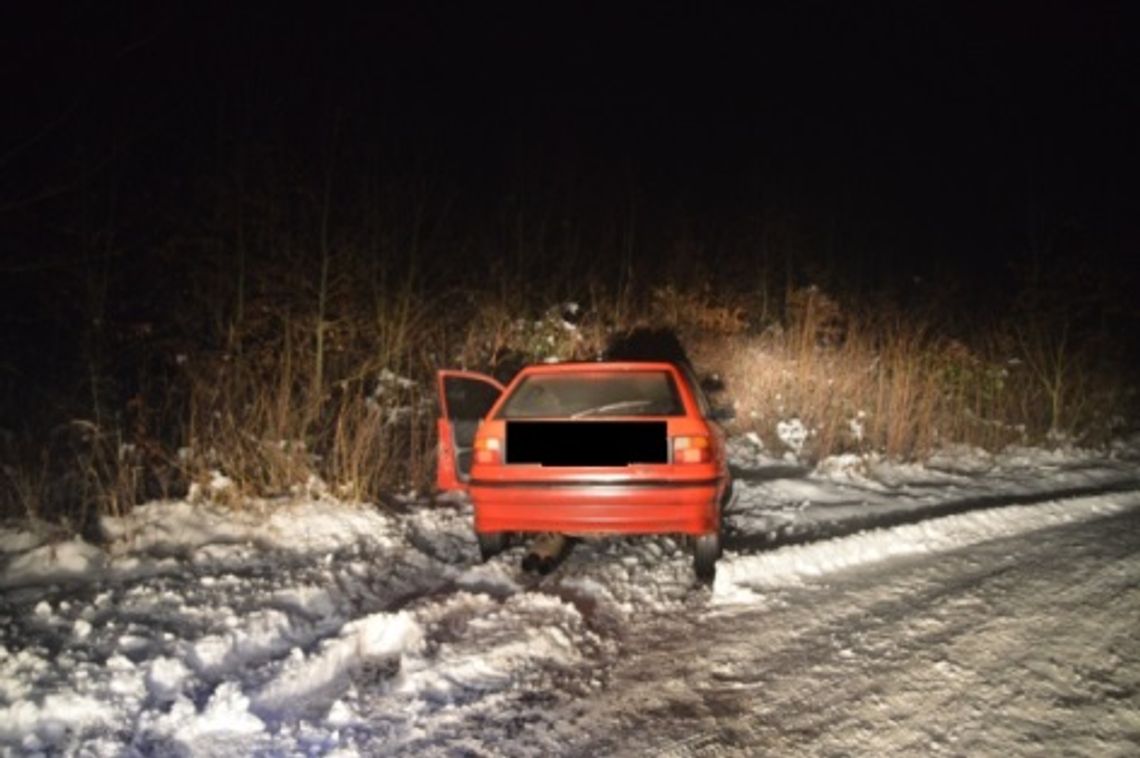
(604, 448)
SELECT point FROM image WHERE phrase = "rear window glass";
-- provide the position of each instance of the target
(594, 394)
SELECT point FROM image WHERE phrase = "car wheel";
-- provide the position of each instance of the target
(706, 550)
(491, 544)
(728, 501)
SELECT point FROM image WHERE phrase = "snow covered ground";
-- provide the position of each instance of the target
(849, 596)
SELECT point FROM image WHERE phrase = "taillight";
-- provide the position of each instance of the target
(488, 450)
(691, 450)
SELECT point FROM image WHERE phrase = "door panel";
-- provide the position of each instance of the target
(465, 397)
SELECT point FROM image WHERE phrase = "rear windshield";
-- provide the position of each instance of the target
(594, 394)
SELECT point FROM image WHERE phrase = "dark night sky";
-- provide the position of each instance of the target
(941, 127)
(165, 168)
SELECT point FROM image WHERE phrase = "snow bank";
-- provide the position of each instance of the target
(224, 727)
(307, 627)
(53, 721)
(144, 542)
(260, 636)
(322, 676)
(527, 635)
(178, 528)
(775, 501)
(56, 562)
(14, 540)
(739, 577)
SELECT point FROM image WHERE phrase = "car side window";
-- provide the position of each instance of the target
(469, 398)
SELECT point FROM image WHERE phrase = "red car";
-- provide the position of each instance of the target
(586, 449)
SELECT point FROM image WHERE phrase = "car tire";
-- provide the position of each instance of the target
(726, 504)
(491, 544)
(706, 550)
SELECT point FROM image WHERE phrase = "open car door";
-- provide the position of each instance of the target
(464, 399)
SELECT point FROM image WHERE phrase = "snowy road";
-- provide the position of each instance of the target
(992, 610)
(1021, 646)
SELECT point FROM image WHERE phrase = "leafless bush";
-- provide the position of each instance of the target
(300, 353)
(902, 388)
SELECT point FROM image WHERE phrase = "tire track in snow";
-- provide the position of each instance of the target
(738, 576)
(896, 658)
(876, 518)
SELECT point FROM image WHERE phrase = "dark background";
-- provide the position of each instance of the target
(942, 127)
(949, 144)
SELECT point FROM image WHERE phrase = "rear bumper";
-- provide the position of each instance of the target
(648, 507)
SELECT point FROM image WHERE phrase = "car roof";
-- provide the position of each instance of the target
(572, 367)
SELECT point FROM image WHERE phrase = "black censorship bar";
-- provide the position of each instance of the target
(587, 443)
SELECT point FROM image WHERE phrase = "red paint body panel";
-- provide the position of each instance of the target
(671, 498)
(608, 509)
(447, 477)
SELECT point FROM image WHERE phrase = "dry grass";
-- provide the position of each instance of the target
(900, 388)
(263, 413)
(286, 375)
(83, 472)
(286, 411)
